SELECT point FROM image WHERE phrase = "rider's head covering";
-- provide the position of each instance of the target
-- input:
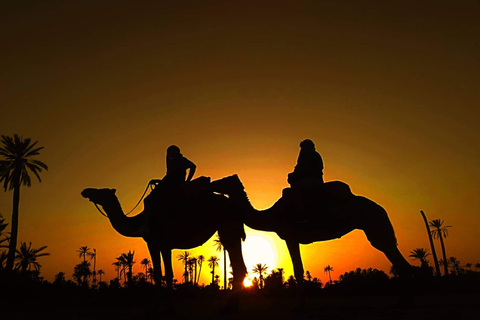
(307, 144)
(173, 151)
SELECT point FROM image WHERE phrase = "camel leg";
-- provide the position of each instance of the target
(238, 265)
(157, 263)
(294, 249)
(167, 261)
(233, 245)
(387, 243)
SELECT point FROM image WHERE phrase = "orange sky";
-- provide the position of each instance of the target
(388, 92)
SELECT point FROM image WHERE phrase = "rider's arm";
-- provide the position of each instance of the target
(192, 167)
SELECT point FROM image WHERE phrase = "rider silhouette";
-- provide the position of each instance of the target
(177, 166)
(309, 168)
(308, 174)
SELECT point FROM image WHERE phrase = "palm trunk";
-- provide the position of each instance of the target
(12, 246)
(432, 246)
(186, 272)
(213, 274)
(195, 280)
(224, 269)
(199, 273)
(330, 277)
(445, 265)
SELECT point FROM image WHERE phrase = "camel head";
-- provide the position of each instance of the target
(99, 196)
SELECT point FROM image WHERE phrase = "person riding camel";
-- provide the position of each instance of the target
(308, 174)
(309, 168)
(177, 166)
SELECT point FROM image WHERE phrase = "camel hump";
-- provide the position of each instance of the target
(337, 189)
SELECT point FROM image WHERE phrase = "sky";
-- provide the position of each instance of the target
(388, 91)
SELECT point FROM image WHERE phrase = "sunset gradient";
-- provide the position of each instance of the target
(388, 91)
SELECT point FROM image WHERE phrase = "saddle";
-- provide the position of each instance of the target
(307, 204)
(187, 192)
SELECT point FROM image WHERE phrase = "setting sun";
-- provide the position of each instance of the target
(259, 249)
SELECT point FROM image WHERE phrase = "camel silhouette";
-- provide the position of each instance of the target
(187, 224)
(330, 212)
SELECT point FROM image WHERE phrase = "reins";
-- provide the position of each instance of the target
(143, 195)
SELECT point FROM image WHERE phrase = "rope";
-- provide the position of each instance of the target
(143, 195)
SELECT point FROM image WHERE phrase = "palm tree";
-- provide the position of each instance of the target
(260, 270)
(59, 278)
(421, 255)
(3, 225)
(192, 268)
(440, 231)
(117, 265)
(150, 274)
(15, 166)
(27, 257)
(328, 269)
(81, 272)
(455, 263)
(219, 246)
(432, 246)
(127, 260)
(212, 263)
(100, 272)
(93, 255)
(84, 252)
(200, 260)
(184, 257)
(308, 275)
(477, 266)
(145, 263)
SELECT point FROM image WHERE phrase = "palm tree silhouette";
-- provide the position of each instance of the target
(219, 246)
(145, 263)
(440, 231)
(184, 257)
(308, 275)
(455, 263)
(432, 245)
(328, 269)
(421, 255)
(15, 166)
(127, 260)
(200, 260)
(192, 269)
(3, 225)
(93, 255)
(468, 265)
(150, 274)
(260, 270)
(117, 265)
(27, 257)
(84, 252)
(82, 272)
(100, 272)
(212, 263)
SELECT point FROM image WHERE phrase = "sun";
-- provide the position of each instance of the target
(258, 249)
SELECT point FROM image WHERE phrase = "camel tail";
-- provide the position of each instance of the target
(377, 225)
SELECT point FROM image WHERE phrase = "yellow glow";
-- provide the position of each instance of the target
(247, 282)
(259, 249)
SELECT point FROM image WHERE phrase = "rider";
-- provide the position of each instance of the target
(309, 168)
(177, 166)
(308, 173)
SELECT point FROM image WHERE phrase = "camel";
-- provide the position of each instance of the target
(184, 225)
(330, 212)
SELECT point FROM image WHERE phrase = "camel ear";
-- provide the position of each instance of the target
(114, 190)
